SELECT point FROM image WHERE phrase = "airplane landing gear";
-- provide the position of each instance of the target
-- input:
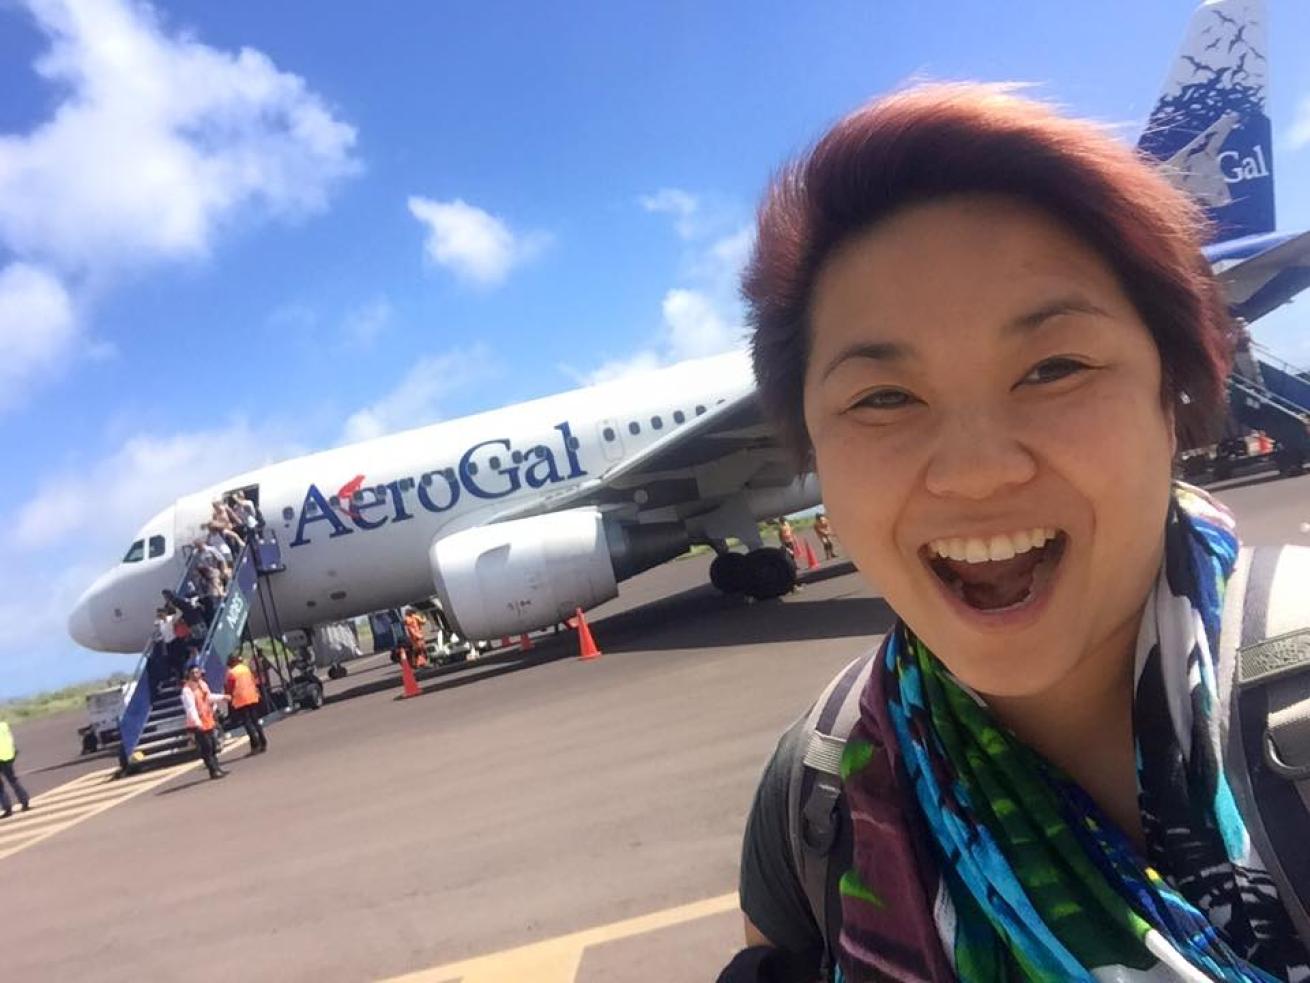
(761, 574)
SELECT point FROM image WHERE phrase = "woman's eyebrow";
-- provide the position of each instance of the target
(1026, 323)
(878, 351)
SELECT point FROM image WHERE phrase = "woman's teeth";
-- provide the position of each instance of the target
(1006, 546)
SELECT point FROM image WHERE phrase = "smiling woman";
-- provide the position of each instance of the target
(988, 326)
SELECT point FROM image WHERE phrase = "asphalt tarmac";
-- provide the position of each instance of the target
(529, 817)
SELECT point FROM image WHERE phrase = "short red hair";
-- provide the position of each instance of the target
(944, 139)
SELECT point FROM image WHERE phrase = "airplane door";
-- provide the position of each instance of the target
(610, 435)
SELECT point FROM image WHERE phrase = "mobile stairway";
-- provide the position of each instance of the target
(153, 723)
(1280, 408)
(1284, 379)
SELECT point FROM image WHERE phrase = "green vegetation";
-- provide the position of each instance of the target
(68, 698)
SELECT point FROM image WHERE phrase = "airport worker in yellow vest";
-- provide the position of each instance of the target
(9, 752)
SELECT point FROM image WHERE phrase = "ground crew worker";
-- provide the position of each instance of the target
(198, 702)
(823, 529)
(787, 538)
(8, 753)
(415, 630)
(243, 691)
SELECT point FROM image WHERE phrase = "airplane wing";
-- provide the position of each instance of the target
(1256, 286)
(692, 469)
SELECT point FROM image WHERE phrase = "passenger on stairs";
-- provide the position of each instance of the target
(198, 704)
(8, 754)
(243, 691)
(188, 607)
(248, 511)
(211, 592)
(223, 539)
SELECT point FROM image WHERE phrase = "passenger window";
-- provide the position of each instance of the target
(609, 435)
(156, 546)
(656, 423)
(473, 467)
(679, 417)
(634, 428)
(135, 552)
(495, 463)
(700, 410)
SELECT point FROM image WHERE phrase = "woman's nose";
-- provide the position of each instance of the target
(976, 455)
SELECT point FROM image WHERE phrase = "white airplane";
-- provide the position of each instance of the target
(513, 518)
(518, 516)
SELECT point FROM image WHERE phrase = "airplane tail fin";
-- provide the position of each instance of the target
(1211, 127)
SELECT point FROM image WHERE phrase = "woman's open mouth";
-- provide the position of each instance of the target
(997, 574)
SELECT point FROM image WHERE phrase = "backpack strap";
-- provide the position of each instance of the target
(1265, 645)
(815, 789)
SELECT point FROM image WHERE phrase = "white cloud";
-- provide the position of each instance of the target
(37, 328)
(473, 244)
(703, 316)
(1298, 135)
(620, 368)
(154, 142)
(105, 500)
(362, 326)
(682, 205)
(695, 327)
(416, 399)
(156, 139)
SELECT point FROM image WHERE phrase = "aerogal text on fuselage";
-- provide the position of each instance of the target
(488, 470)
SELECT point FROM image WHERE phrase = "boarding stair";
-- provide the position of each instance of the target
(1265, 408)
(1284, 379)
(153, 725)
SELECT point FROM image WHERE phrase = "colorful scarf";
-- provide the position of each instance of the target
(1031, 880)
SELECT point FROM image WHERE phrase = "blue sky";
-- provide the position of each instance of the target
(233, 231)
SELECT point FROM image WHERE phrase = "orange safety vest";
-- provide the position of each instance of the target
(414, 629)
(204, 709)
(241, 686)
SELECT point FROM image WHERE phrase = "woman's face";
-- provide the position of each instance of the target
(984, 404)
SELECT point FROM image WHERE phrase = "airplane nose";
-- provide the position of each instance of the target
(82, 627)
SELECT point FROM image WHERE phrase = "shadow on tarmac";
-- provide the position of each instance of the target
(674, 622)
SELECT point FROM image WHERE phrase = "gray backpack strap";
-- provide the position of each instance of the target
(814, 790)
(1265, 639)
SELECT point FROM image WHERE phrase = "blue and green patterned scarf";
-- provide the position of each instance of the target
(1031, 880)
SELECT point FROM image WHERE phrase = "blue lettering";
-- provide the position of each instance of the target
(545, 462)
(571, 449)
(425, 499)
(466, 477)
(398, 489)
(322, 511)
(362, 501)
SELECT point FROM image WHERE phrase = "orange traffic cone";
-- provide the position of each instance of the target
(811, 561)
(407, 674)
(586, 644)
(525, 642)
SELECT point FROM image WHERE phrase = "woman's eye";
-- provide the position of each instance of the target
(1054, 369)
(885, 399)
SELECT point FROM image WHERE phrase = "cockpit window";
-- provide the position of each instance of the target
(135, 552)
(156, 546)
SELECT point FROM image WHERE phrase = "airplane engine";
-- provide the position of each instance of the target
(513, 577)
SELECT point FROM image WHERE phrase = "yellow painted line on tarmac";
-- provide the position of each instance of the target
(76, 801)
(557, 960)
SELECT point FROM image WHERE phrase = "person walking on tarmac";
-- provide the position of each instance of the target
(8, 753)
(823, 529)
(243, 691)
(198, 702)
(416, 633)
